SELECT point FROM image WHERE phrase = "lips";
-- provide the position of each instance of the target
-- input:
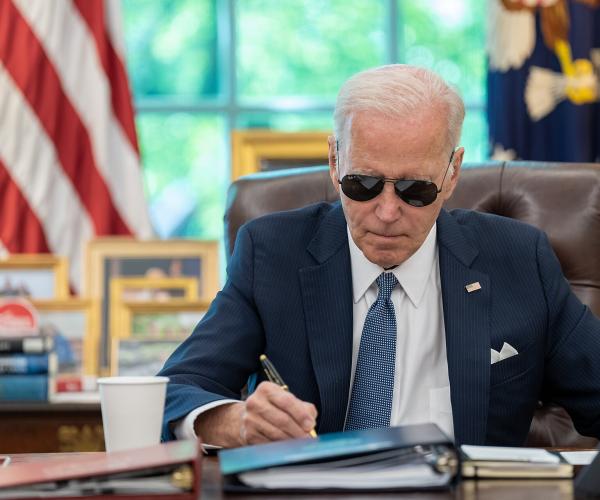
(388, 236)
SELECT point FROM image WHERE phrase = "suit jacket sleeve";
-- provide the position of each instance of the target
(215, 361)
(572, 370)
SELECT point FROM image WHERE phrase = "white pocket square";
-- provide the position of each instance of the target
(506, 352)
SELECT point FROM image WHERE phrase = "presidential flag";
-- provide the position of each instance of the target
(69, 159)
(543, 79)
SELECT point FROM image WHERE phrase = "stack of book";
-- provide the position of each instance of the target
(28, 366)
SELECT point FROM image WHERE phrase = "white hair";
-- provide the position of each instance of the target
(397, 91)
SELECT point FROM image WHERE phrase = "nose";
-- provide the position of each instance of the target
(389, 205)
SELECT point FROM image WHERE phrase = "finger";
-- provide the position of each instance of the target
(257, 429)
(303, 413)
(261, 409)
(256, 437)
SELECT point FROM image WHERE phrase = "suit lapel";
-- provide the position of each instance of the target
(327, 300)
(466, 320)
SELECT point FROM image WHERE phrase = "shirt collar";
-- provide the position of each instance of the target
(413, 274)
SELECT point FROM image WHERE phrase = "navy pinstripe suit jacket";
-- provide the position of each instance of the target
(288, 294)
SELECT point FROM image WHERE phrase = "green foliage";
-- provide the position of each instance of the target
(306, 48)
(171, 47)
(448, 37)
(190, 148)
(288, 122)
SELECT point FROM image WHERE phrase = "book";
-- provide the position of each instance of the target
(491, 462)
(69, 383)
(28, 363)
(164, 471)
(393, 459)
(35, 344)
(31, 387)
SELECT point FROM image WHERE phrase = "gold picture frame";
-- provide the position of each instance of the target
(251, 149)
(38, 276)
(112, 257)
(131, 309)
(149, 350)
(146, 290)
(72, 320)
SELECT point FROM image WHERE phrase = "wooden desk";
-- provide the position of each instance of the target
(468, 490)
(50, 427)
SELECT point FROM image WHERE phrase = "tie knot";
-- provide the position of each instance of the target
(386, 283)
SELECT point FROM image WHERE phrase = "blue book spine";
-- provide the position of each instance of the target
(24, 363)
(23, 387)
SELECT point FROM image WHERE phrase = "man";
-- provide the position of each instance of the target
(386, 309)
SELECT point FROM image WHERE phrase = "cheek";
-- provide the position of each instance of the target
(419, 218)
(423, 220)
(355, 213)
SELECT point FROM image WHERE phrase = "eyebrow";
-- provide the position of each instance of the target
(416, 177)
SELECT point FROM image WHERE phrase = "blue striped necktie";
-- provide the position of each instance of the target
(372, 390)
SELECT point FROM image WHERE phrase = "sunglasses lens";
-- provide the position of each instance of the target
(416, 193)
(361, 187)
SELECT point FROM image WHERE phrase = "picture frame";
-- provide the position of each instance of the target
(34, 276)
(140, 357)
(142, 347)
(147, 290)
(71, 321)
(260, 150)
(175, 319)
(113, 257)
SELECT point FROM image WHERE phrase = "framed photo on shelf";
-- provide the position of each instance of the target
(261, 150)
(147, 290)
(140, 357)
(117, 257)
(173, 320)
(34, 276)
(148, 332)
(70, 322)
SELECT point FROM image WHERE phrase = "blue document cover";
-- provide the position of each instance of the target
(387, 458)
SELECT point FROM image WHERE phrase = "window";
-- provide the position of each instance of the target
(200, 68)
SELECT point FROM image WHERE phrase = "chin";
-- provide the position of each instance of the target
(384, 259)
(385, 256)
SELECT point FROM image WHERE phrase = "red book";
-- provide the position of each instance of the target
(165, 471)
(69, 383)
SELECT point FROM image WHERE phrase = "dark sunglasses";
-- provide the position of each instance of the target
(417, 193)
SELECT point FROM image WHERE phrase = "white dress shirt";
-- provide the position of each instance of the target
(421, 387)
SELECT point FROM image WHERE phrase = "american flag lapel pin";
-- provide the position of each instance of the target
(473, 287)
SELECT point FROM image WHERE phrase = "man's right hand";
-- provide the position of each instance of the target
(269, 414)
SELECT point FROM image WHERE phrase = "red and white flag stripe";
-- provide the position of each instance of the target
(69, 160)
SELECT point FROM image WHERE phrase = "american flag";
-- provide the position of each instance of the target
(69, 158)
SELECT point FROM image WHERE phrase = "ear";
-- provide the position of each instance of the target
(452, 181)
(333, 171)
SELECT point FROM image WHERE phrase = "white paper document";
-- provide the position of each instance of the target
(385, 469)
(579, 457)
(513, 454)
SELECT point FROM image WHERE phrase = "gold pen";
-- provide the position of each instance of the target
(273, 376)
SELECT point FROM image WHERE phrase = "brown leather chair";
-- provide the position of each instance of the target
(561, 199)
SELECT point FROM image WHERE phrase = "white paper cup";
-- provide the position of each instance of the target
(132, 411)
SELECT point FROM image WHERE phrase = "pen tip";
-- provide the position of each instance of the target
(263, 357)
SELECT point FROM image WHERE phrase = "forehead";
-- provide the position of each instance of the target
(397, 147)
